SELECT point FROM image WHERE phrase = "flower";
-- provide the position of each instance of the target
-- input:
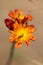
(21, 34)
(17, 14)
(20, 31)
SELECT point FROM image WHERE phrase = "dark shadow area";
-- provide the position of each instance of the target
(11, 55)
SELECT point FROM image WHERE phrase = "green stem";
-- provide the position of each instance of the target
(11, 54)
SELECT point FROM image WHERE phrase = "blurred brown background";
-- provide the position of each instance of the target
(33, 54)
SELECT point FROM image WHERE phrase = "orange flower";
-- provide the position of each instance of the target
(21, 34)
(16, 14)
(20, 31)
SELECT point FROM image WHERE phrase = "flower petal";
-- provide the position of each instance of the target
(33, 37)
(31, 28)
(29, 17)
(18, 45)
(11, 14)
(27, 42)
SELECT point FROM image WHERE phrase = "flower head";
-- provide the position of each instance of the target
(16, 14)
(20, 31)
